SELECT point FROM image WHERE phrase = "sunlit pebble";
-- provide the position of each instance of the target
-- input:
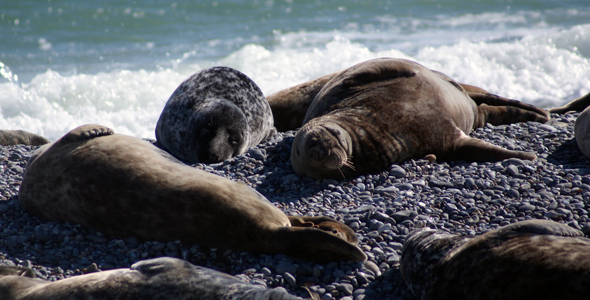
(441, 195)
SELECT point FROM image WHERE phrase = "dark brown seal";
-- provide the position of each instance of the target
(16, 137)
(124, 186)
(575, 105)
(289, 106)
(582, 127)
(161, 278)
(388, 110)
(534, 259)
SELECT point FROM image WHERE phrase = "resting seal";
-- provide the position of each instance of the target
(158, 278)
(214, 115)
(534, 259)
(576, 105)
(16, 137)
(582, 132)
(582, 126)
(388, 110)
(125, 186)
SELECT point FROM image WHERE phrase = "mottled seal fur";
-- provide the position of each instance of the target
(162, 278)
(534, 259)
(215, 114)
(16, 137)
(125, 186)
(388, 110)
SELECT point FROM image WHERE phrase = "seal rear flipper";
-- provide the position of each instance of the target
(576, 105)
(313, 244)
(290, 105)
(471, 149)
(326, 224)
(85, 132)
(499, 110)
(499, 115)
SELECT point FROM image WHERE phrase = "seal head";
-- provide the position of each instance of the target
(321, 149)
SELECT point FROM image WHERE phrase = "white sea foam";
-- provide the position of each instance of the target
(543, 69)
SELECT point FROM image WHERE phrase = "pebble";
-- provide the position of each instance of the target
(461, 197)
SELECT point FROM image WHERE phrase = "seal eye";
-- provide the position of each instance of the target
(233, 142)
(205, 132)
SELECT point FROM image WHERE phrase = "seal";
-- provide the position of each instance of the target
(575, 105)
(124, 186)
(214, 115)
(534, 259)
(387, 110)
(289, 106)
(159, 278)
(16, 137)
(582, 131)
(582, 126)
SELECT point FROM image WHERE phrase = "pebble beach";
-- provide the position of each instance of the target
(460, 197)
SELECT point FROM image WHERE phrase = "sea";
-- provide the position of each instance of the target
(116, 63)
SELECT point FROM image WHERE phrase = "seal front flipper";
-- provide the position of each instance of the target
(471, 149)
(80, 133)
(85, 132)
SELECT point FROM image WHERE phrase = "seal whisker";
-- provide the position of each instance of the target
(348, 163)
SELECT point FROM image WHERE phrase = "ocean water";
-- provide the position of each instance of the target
(115, 63)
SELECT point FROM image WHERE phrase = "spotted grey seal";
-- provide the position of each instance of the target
(388, 110)
(215, 114)
(534, 259)
(16, 137)
(125, 186)
(158, 278)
